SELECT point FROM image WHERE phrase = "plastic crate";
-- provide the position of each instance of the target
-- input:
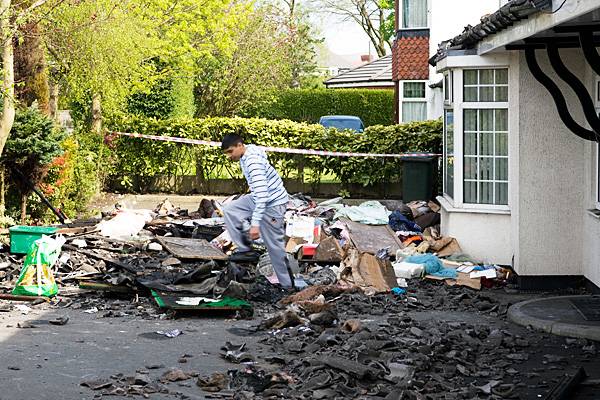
(22, 237)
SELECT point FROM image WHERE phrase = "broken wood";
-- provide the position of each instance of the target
(329, 250)
(108, 260)
(372, 238)
(106, 287)
(566, 386)
(4, 296)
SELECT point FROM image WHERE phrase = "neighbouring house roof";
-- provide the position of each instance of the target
(376, 73)
(506, 16)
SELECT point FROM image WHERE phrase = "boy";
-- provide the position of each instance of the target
(265, 206)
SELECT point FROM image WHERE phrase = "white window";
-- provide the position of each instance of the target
(448, 98)
(485, 136)
(414, 105)
(485, 85)
(486, 156)
(449, 153)
(414, 13)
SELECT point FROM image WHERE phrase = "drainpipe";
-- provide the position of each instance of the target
(396, 83)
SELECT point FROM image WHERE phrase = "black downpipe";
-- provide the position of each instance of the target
(579, 88)
(559, 99)
(586, 37)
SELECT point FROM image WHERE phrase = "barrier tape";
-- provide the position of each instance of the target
(275, 149)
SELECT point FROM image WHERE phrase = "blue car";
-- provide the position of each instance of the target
(342, 122)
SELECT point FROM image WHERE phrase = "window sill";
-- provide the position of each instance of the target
(595, 213)
(448, 207)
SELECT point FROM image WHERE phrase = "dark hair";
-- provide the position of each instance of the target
(231, 140)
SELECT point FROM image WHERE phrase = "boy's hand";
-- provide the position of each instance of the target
(254, 232)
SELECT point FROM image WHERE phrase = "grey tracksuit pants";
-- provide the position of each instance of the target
(271, 231)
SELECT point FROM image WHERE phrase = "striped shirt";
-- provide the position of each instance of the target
(265, 184)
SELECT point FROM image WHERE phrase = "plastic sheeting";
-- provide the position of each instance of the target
(369, 213)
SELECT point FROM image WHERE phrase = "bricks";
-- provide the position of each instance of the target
(410, 58)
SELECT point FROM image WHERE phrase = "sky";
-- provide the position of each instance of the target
(345, 37)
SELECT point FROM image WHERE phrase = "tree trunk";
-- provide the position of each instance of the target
(53, 105)
(2, 192)
(8, 82)
(23, 208)
(96, 114)
(30, 68)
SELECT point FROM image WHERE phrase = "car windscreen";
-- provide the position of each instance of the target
(352, 124)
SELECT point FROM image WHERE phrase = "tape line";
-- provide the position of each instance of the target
(275, 149)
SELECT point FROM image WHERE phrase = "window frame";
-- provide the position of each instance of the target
(403, 99)
(448, 88)
(597, 163)
(445, 186)
(488, 106)
(458, 106)
(403, 19)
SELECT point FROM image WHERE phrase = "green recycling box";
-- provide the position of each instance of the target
(22, 237)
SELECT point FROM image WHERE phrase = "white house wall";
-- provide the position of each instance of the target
(485, 237)
(591, 222)
(551, 175)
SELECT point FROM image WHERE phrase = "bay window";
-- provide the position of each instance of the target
(475, 150)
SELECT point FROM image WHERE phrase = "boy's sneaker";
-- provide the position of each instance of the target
(244, 256)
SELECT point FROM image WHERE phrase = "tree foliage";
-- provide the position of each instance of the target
(234, 79)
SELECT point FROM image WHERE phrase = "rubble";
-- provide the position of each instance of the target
(351, 333)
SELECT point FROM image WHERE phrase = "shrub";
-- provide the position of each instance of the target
(138, 160)
(31, 147)
(374, 107)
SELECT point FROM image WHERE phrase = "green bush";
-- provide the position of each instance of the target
(139, 160)
(373, 106)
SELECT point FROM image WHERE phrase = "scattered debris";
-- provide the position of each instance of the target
(170, 334)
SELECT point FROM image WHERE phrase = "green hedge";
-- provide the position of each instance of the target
(373, 106)
(140, 159)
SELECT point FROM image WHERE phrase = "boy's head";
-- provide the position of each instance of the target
(233, 146)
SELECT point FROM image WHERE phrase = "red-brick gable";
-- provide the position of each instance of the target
(410, 58)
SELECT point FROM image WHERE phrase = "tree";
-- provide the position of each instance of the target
(8, 75)
(97, 50)
(32, 146)
(31, 76)
(231, 80)
(301, 37)
(11, 16)
(375, 17)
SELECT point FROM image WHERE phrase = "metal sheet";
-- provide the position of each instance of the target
(196, 249)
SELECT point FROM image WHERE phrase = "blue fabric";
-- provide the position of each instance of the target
(446, 273)
(398, 291)
(399, 222)
(265, 184)
(433, 265)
